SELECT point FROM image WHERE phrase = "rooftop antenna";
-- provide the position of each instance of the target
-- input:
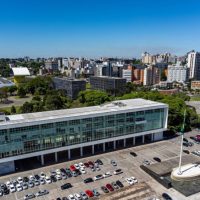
(181, 151)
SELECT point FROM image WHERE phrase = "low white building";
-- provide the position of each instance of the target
(127, 74)
(178, 73)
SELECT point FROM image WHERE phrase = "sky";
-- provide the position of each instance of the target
(95, 28)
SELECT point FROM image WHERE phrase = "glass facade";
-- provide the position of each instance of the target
(27, 139)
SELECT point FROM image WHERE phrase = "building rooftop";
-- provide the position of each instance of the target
(5, 82)
(20, 71)
(108, 77)
(55, 115)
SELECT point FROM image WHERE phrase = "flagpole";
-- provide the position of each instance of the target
(181, 151)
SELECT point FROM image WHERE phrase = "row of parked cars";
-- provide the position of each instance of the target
(35, 180)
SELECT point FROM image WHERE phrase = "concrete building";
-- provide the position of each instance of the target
(127, 74)
(113, 85)
(5, 83)
(178, 73)
(51, 65)
(19, 74)
(94, 129)
(195, 85)
(194, 65)
(151, 75)
(71, 86)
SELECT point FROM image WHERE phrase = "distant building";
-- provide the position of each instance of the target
(178, 73)
(109, 84)
(194, 65)
(71, 86)
(127, 74)
(5, 82)
(195, 85)
(51, 65)
(19, 74)
(151, 75)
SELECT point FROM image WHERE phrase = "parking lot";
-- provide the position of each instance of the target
(129, 165)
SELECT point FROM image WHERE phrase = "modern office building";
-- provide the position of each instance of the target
(71, 86)
(178, 73)
(151, 75)
(127, 74)
(88, 130)
(194, 65)
(51, 65)
(112, 85)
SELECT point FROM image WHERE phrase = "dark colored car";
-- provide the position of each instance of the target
(89, 193)
(66, 186)
(68, 173)
(53, 178)
(37, 177)
(58, 198)
(133, 154)
(190, 144)
(88, 180)
(166, 196)
(86, 164)
(91, 164)
(185, 140)
(186, 151)
(105, 190)
(29, 196)
(41, 193)
(185, 144)
(25, 179)
(119, 183)
(64, 198)
(157, 159)
(98, 161)
(6, 191)
(193, 138)
(110, 187)
(63, 170)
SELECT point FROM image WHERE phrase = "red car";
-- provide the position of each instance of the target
(89, 193)
(91, 164)
(109, 186)
(72, 168)
(86, 164)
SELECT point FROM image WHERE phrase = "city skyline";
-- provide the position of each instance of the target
(104, 28)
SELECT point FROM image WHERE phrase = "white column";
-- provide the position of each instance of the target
(42, 159)
(69, 154)
(92, 149)
(81, 151)
(143, 139)
(104, 147)
(56, 156)
(114, 144)
(134, 141)
(124, 142)
(152, 137)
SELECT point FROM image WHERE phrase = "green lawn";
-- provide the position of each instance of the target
(7, 109)
(195, 98)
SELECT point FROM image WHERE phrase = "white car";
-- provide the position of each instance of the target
(24, 186)
(32, 178)
(98, 177)
(130, 181)
(42, 175)
(77, 166)
(12, 188)
(19, 187)
(8, 183)
(48, 180)
(77, 196)
(58, 177)
(98, 168)
(71, 197)
(20, 180)
(58, 172)
(107, 174)
(81, 165)
(82, 170)
(42, 181)
(118, 171)
(134, 179)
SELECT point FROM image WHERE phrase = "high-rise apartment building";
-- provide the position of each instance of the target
(151, 75)
(194, 65)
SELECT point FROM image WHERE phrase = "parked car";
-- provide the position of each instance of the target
(48, 179)
(20, 180)
(71, 197)
(82, 170)
(91, 164)
(134, 179)
(77, 196)
(68, 173)
(186, 151)
(66, 186)
(98, 177)
(53, 178)
(185, 140)
(81, 165)
(119, 183)
(193, 138)
(42, 181)
(29, 196)
(157, 159)
(118, 171)
(133, 154)
(129, 181)
(185, 144)
(99, 162)
(86, 164)
(41, 193)
(76, 166)
(107, 174)
(146, 162)
(190, 144)
(109, 186)
(24, 186)
(1, 193)
(166, 196)
(95, 192)
(104, 189)
(113, 163)
(19, 188)
(12, 188)
(83, 195)
(88, 180)
(72, 168)
(30, 184)
(42, 175)
(89, 193)
(114, 185)
(25, 179)
(37, 177)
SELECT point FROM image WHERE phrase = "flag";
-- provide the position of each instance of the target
(183, 125)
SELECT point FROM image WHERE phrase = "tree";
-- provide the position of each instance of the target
(21, 92)
(12, 89)
(13, 110)
(26, 108)
(53, 102)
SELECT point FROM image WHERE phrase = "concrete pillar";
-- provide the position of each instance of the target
(81, 151)
(56, 156)
(104, 147)
(134, 141)
(124, 142)
(69, 154)
(152, 137)
(42, 159)
(92, 149)
(114, 144)
(143, 139)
